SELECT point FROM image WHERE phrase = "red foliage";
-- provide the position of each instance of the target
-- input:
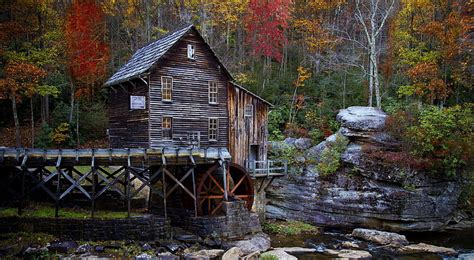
(400, 158)
(265, 24)
(88, 53)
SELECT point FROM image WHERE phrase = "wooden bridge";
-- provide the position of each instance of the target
(197, 172)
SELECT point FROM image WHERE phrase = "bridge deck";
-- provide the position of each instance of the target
(149, 157)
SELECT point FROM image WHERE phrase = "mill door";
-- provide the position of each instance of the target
(253, 155)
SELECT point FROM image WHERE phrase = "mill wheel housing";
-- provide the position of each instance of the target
(210, 188)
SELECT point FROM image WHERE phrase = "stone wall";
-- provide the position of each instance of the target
(142, 228)
(237, 222)
(260, 201)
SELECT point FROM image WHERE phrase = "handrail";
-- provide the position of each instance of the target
(262, 168)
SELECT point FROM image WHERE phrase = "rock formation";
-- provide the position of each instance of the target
(363, 191)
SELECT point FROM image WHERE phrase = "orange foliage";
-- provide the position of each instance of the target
(21, 79)
(426, 79)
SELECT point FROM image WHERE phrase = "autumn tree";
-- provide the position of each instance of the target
(429, 48)
(21, 79)
(87, 51)
(265, 24)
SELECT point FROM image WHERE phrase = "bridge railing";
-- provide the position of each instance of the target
(268, 168)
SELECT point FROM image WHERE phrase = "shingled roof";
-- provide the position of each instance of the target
(145, 57)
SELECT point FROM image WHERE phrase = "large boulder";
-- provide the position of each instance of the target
(380, 237)
(303, 143)
(362, 118)
(279, 254)
(425, 248)
(233, 253)
(349, 254)
(259, 242)
(364, 191)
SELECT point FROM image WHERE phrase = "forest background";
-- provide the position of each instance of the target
(310, 58)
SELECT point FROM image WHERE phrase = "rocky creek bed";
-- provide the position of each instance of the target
(317, 244)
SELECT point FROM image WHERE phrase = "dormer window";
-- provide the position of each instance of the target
(191, 52)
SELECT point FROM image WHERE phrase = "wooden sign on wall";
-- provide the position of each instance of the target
(137, 102)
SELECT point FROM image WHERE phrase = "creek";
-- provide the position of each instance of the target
(462, 241)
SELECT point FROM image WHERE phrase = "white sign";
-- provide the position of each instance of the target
(137, 102)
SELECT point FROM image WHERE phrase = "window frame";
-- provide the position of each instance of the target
(163, 78)
(210, 93)
(193, 48)
(209, 129)
(170, 129)
(248, 107)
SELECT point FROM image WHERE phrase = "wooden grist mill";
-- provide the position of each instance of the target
(179, 126)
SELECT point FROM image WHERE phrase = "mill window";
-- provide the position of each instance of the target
(167, 128)
(166, 88)
(213, 129)
(191, 52)
(248, 112)
(213, 92)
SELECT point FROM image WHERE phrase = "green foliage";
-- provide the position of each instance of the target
(47, 211)
(447, 134)
(441, 137)
(44, 90)
(331, 156)
(43, 138)
(276, 122)
(288, 227)
(93, 121)
(268, 257)
(287, 153)
(316, 135)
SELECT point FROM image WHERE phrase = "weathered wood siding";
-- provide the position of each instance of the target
(128, 128)
(190, 108)
(246, 131)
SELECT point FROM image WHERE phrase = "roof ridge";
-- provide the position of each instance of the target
(171, 32)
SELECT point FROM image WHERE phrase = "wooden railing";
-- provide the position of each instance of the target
(269, 168)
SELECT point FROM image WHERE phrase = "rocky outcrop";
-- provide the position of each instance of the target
(364, 191)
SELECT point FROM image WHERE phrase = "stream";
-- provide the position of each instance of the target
(462, 241)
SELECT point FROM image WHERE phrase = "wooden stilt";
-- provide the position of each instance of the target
(58, 184)
(94, 183)
(127, 194)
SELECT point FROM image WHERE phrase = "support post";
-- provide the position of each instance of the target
(58, 184)
(226, 198)
(194, 192)
(127, 194)
(20, 204)
(22, 196)
(163, 179)
(164, 191)
(94, 183)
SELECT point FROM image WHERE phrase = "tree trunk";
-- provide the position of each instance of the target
(15, 118)
(371, 82)
(71, 112)
(77, 124)
(32, 124)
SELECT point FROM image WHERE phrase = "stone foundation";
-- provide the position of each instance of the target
(237, 222)
(141, 228)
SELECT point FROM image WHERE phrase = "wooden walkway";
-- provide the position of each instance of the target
(60, 172)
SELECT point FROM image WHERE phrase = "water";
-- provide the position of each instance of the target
(462, 241)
